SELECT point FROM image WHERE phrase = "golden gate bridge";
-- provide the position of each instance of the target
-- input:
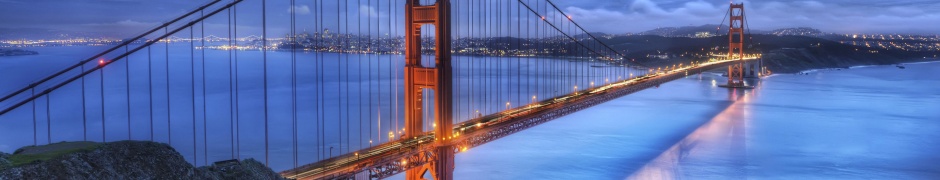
(464, 73)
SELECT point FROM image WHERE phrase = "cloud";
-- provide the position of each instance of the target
(369, 11)
(119, 28)
(120, 24)
(302, 9)
(642, 15)
(647, 7)
(843, 19)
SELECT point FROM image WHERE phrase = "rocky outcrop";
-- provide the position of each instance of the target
(246, 169)
(4, 163)
(133, 160)
(16, 52)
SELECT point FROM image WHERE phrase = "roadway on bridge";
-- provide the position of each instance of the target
(352, 162)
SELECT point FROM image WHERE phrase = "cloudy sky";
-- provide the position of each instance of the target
(128, 17)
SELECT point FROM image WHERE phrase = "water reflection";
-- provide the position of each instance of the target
(722, 139)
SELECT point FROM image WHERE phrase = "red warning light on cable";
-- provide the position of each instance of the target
(101, 62)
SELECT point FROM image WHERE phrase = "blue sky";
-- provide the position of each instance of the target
(125, 17)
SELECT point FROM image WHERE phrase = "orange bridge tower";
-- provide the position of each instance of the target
(418, 79)
(736, 45)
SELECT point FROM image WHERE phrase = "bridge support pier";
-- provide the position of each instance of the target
(437, 78)
(753, 69)
(442, 167)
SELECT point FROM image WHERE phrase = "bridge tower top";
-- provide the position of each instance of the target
(736, 44)
(736, 31)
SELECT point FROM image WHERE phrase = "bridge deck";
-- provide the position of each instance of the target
(394, 157)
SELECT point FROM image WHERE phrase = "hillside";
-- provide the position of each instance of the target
(119, 160)
(782, 54)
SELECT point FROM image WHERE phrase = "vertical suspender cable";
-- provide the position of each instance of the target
(48, 119)
(339, 102)
(563, 69)
(149, 88)
(264, 50)
(472, 60)
(103, 127)
(127, 81)
(320, 101)
(192, 71)
(520, 99)
(369, 69)
(568, 75)
(359, 68)
(238, 144)
(205, 133)
(468, 39)
(293, 78)
(380, 41)
(84, 111)
(457, 71)
(543, 65)
(348, 103)
(391, 66)
(396, 77)
(35, 141)
(527, 51)
(489, 58)
(499, 55)
(323, 81)
(169, 127)
(316, 93)
(480, 60)
(231, 91)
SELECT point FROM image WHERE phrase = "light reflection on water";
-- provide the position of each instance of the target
(724, 133)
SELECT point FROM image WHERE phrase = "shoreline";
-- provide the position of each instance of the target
(861, 66)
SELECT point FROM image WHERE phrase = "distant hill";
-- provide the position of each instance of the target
(786, 54)
(782, 54)
(684, 31)
(596, 34)
(39, 33)
(799, 31)
(690, 31)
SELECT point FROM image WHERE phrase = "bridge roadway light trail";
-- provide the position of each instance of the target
(369, 155)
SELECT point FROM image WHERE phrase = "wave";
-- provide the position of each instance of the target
(925, 62)
(864, 66)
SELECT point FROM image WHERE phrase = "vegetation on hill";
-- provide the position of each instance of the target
(119, 160)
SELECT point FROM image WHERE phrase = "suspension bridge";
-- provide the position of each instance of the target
(396, 86)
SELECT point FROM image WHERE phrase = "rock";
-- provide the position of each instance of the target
(131, 160)
(246, 169)
(4, 163)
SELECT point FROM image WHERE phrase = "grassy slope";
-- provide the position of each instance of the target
(30, 154)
